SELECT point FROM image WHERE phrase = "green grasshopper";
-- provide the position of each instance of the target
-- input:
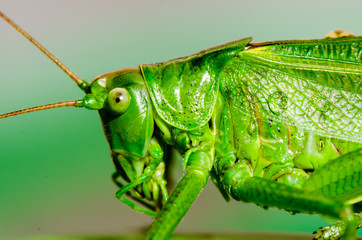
(277, 124)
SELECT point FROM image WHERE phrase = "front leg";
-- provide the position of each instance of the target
(151, 180)
(199, 163)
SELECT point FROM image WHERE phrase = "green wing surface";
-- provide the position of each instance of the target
(314, 85)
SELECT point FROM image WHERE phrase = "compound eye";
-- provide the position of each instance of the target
(118, 100)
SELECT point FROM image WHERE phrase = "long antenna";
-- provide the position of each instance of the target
(81, 83)
(75, 103)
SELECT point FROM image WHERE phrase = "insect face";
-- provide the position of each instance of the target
(128, 125)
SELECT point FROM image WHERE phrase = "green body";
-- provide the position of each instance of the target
(277, 124)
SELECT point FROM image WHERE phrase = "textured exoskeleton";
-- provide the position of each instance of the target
(277, 124)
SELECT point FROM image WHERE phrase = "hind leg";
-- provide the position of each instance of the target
(340, 179)
(330, 191)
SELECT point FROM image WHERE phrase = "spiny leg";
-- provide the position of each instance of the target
(274, 194)
(143, 178)
(341, 178)
(140, 200)
(199, 164)
(153, 171)
(344, 185)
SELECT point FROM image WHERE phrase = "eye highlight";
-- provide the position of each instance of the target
(118, 100)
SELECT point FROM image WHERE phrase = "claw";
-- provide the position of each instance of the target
(318, 234)
(332, 232)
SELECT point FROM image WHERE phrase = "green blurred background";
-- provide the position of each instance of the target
(55, 165)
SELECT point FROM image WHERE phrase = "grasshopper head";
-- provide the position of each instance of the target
(126, 113)
(128, 124)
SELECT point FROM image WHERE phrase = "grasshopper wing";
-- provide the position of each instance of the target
(314, 85)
